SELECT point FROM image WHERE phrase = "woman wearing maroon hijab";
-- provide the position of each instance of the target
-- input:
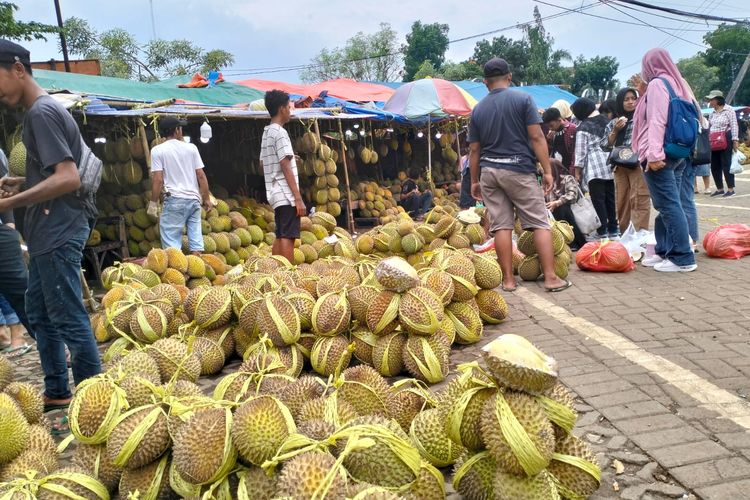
(663, 174)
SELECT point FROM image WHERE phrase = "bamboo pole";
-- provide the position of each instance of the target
(350, 217)
(429, 154)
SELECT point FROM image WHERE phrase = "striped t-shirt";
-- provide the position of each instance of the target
(274, 147)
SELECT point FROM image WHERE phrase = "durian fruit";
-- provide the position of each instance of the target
(95, 409)
(330, 355)
(149, 424)
(429, 485)
(29, 400)
(420, 311)
(511, 487)
(406, 403)
(366, 390)
(331, 314)
(74, 482)
(360, 297)
(382, 313)
(426, 358)
(380, 464)
(526, 243)
(313, 474)
(492, 306)
(174, 360)
(530, 269)
(29, 461)
(278, 318)
(518, 364)
(439, 282)
(428, 434)
(213, 308)
(94, 460)
(462, 404)
(203, 451)
(487, 271)
(521, 413)
(364, 340)
(466, 320)
(394, 273)
(149, 322)
(260, 426)
(575, 468)
(474, 476)
(157, 260)
(150, 482)
(328, 409)
(387, 354)
(559, 405)
(300, 391)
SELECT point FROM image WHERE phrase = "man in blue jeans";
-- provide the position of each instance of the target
(56, 228)
(177, 170)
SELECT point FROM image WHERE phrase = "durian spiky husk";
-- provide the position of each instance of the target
(518, 364)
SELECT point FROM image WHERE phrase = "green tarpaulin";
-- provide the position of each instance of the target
(223, 94)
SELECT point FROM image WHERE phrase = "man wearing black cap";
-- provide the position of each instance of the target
(177, 170)
(56, 227)
(505, 142)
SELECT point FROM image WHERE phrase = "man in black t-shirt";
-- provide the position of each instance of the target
(55, 227)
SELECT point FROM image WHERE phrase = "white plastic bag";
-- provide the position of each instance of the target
(737, 158)
(635, 241)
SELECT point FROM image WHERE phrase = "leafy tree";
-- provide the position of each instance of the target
(369, 57)
(425, 42)
(427, 69)
(545, 64)
(516, 52)
(597, 73)
(467, 70)
(730, 44)
(21, 31)
(701, 77)
(122, 56)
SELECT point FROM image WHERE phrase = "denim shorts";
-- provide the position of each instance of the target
(7, 313)
(177, 213)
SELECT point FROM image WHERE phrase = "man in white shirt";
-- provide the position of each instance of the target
(177, 169)
(280, 172)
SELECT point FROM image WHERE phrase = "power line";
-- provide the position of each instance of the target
(282, 69)
(702, 8)
(705, 17)
(640, 23)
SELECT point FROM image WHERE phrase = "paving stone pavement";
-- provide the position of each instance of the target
(652, 439)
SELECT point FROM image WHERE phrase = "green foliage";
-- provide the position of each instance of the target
(516, 52)
(597, 73)
(373, 57)
(701, 77)
(21, 31)
(545, 64)
(427, 69)
(466, 70)
(122, 56)
(731, 44)
(425, 42)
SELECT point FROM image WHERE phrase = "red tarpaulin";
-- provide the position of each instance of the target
(342, 88)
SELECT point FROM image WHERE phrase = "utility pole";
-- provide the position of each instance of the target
(63, 43)
(738, 80)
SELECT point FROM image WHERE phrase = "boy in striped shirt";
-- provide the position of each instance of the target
(280, 172)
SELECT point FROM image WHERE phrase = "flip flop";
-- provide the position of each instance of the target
(17, 352)
(60, 427)
(4, 347)
(508, 289)
(560, 288)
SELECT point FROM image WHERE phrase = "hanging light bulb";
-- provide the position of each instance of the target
(389, 130)
(102, 140)
(420, 134)
(349, 132)
(438, 135)
(356, 125)
(362, 133)
(206, 132)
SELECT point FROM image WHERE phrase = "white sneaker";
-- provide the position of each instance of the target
(667, 266)
(651, 261)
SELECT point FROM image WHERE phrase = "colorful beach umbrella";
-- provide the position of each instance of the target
(430, 97)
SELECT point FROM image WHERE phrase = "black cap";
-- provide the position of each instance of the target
(11, 52)
(496, 67)
(170, 122)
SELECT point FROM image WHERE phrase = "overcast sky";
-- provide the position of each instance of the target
(261, 35)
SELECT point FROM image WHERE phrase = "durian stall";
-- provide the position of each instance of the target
(320, 371)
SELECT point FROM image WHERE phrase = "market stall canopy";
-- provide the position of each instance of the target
(224, 94)
(342, 88)
(543, 95)
(431, 97)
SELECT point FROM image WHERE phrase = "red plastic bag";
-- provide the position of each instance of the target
(731, 241)
(604, 256)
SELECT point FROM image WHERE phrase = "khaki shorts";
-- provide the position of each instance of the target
(505, 190)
